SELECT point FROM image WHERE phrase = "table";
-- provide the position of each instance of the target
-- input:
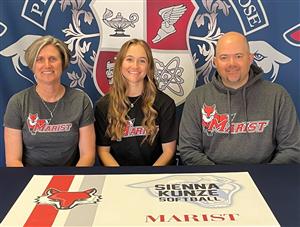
(279, 184)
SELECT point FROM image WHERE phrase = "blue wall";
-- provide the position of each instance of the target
(184, 52)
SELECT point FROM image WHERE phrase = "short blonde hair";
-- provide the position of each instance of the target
(33, 50)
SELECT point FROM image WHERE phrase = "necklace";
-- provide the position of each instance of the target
(51, 112)
(133, 103)
(46, 106)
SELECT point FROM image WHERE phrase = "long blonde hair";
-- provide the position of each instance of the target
(119, 102)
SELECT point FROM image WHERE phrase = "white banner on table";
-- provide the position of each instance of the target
(190, 199)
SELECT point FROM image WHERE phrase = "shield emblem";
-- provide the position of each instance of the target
(164, 25)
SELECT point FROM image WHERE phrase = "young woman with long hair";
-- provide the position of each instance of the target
(135, 122)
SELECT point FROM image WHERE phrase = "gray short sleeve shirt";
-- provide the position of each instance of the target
(47, 140)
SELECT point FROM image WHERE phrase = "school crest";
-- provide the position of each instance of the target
(164, 25)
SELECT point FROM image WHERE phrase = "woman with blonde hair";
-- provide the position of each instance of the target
(49, 124)
(135, 122)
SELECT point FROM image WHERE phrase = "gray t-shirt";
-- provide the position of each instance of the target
(49, 141)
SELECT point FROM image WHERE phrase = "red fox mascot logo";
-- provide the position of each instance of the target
(63, 200)
(34, 123)
(212, 120)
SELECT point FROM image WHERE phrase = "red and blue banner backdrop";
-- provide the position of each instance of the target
(181, 33)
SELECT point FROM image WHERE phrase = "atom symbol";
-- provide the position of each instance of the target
(169, 76)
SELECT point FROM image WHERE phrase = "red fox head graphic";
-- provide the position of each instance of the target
(212, 120)
(34, 122)
(129, 125)
(67, 200)
(208, 112)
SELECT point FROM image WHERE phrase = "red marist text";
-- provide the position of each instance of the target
(53, 128)
(192, 218)
(131, 130)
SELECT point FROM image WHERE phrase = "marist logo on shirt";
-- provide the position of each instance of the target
(214, 122)
(131, 130)
(35, 124)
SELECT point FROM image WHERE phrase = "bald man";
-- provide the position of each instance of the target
(238, 117)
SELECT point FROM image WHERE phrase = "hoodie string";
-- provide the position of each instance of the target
(229, 106)
(245, 109)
